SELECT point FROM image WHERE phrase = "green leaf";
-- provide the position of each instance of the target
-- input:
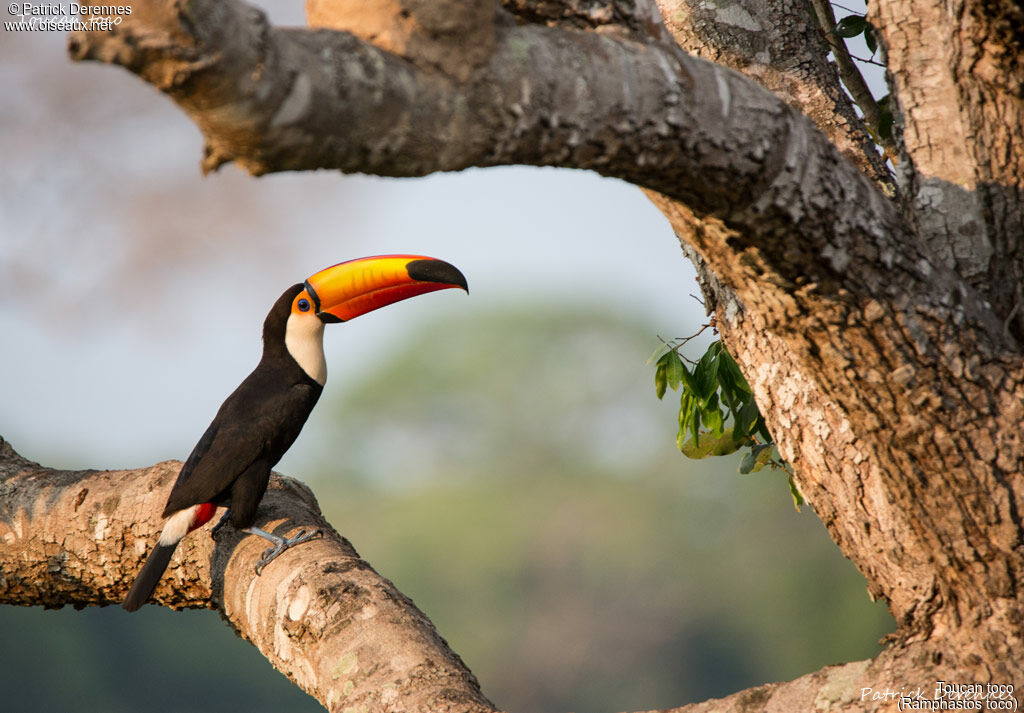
(759, 455)
(727, 374)
(871, 39)
(706, 374)
(721, 445)
(745, 418)
(711, 415)
(693, 450)
(732, 406)
(763, 456)
(742, 382)
(689, 380)
(727, 443)
(709, 403)
(674, 369)
(694, 419)
(685, 415)
(726, 379)
(660, 379)
(734, 387)
(727, 363)
(851, 26)
(748, 463)
(682, 439)
(658, 353)
(798, 498)
(885, 117)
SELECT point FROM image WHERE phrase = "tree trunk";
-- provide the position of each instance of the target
(878, 320)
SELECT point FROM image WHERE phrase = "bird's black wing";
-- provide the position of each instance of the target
(259, 421)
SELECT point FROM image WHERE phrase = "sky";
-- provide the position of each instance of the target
(132, 289)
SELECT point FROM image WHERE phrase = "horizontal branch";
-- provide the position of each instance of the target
(318, 613)
(279, 99)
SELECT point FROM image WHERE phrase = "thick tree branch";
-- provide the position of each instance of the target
(845, 456)
(278, 99)
(639, 20)
(875, 466)
(319, 613)
(778, 44)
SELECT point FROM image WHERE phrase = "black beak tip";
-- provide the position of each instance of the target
(436, 271)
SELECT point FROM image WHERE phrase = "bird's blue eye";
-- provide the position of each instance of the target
(303, 305)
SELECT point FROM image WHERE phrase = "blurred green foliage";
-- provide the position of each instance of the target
(155, 660)
(513, 476)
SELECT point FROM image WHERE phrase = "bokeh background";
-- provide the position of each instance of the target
(501, 456)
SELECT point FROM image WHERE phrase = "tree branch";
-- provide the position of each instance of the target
(780, 46)
(318, 613)
(285, 99)
(852, 78)
(455, 38)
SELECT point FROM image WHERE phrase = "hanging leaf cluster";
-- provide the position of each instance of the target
(715, 393)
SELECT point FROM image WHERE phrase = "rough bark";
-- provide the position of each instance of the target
(961, 95)
(816, 432)
(319, 613)
(779, 44)
(879, 325)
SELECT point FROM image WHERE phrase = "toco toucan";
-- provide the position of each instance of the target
(262, 418)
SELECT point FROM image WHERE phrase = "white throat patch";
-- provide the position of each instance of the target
(304, 340)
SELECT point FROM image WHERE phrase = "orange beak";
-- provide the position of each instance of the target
(346, 290)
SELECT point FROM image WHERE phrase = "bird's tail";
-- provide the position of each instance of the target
(179, 524)
(151, 572)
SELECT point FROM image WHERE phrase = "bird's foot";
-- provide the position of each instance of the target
(280, 544)
(220, 524)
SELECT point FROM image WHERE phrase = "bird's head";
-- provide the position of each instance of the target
(344, 291)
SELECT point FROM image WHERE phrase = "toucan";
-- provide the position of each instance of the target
(259, 421)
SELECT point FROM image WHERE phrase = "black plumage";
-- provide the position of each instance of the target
(252, 430)
(254, 427)
(261, 419)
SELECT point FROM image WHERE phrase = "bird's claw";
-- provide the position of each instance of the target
(271, 553)
(215, 531)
